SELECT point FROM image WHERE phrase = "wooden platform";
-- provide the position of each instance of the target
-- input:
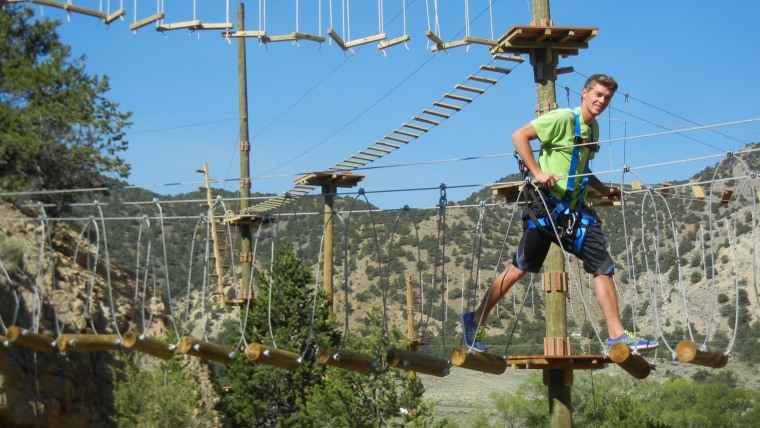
(573, 362)
(511, 191)
(338, 179)
(566, 41)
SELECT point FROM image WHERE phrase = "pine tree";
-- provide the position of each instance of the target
(270, 396)
(57, 128)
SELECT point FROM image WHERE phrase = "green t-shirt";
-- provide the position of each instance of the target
(556, 132)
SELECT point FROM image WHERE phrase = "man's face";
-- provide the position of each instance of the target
(596, 99)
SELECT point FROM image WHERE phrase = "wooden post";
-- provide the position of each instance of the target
(634, 364)
(245, 148)
(408, 360)
(688, 352)
(346, 360)
(274, 357)
(148, 345)
(328, 192)
(558, 381)
(89, 342)
(29, 339)
(206, 350)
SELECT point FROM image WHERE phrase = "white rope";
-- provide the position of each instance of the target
(467, 18)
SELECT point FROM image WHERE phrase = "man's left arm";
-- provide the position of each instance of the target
(611, 193)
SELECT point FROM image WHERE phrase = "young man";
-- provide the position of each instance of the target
(558, 209)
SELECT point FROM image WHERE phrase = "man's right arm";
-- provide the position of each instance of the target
(521, 139)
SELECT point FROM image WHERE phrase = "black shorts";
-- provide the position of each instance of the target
(534, 246)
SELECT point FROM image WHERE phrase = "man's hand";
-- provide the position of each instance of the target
(548, 179)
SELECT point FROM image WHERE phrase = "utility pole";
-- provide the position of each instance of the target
(246, 255)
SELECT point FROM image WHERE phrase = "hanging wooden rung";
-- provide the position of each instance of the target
(400, 140)
(374, 155)
(447, 105)
(726, 196)
(29, 339)
(509, 58)
(471, 89)
(449, 45)
(279, 38)
(364, 158)
(482, 79)
(72, 8)
(88, 342)
(146, 21)
(379, 149)
(336, 38)
(437, 113)
(206, 350)
(407, 133)
(458, 97)
(346, 360)
(387, 144)
(253, 33)
(365, 40)
(495, 69)
(426, 120)
(416, 362)
(417, 127)
(309, 37)
(635, 185)
(351, 161)
(148, 345)
(114, 16)
(394, 42)
(708, 356)
(272, 356)
(634, 364)
(481, 41)
(698, 192)
(478, 361)
(179, 25)
(433, 38)
(214, 26)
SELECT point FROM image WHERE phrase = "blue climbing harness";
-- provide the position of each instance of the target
(570, 224)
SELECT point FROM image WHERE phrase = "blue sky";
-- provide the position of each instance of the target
(682, 63)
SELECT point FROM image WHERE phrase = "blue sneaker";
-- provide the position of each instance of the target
(633, 342)
(470, 331)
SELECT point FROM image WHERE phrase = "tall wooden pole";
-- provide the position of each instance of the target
(246, 255)
(558, 381)
(328, 192)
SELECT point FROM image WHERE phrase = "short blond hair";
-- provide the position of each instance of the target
(601, 79)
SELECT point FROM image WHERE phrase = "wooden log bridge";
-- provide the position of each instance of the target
(708, 356)
(634, 364)
(89, 342)
(346, 360)
(478, 361)
(148, 345)
(416, 362)
(206, 350)
(30, 339)
(274, 357)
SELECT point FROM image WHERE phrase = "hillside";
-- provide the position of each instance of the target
(155, 248)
